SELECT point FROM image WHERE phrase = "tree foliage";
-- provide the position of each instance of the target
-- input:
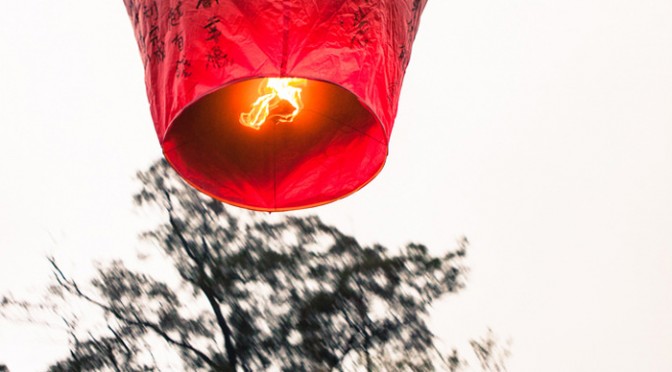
(257, 292)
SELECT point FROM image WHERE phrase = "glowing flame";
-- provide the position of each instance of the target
(273, 91)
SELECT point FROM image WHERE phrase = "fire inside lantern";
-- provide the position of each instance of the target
(273, 92)
(275, 105)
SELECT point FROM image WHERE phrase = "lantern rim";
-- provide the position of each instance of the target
(285, 209)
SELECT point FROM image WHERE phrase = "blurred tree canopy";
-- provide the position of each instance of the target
(254, 292)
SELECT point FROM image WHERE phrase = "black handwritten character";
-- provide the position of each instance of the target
(205, 3)
(158, 47)
(178, 41)
(151, 11)
(211, 27)
(141, 42)
(411, 29)
(183, 68)
(133, 11)
(360, 16)
(217, 58)
(361, 25)
(174, 14)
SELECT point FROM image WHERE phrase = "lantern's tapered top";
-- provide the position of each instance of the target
(275, 104)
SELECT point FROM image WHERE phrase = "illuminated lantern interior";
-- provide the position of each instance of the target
(333, 140)
(273, 92)
(275, 104)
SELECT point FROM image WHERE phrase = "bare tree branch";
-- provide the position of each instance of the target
(72, 287)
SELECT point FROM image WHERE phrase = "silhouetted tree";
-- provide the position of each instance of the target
(257, 292)
(491, 354)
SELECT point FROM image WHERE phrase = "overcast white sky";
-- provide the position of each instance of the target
(540, 129)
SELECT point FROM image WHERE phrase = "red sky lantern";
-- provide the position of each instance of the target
(275, 104)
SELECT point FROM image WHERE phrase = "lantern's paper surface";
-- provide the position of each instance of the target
(205, 59)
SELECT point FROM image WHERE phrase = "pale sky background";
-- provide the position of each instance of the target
(541, 130)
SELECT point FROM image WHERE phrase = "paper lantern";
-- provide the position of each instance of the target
(275, 104)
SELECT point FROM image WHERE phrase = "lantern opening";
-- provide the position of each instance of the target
(333, 147)
(272, 93)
